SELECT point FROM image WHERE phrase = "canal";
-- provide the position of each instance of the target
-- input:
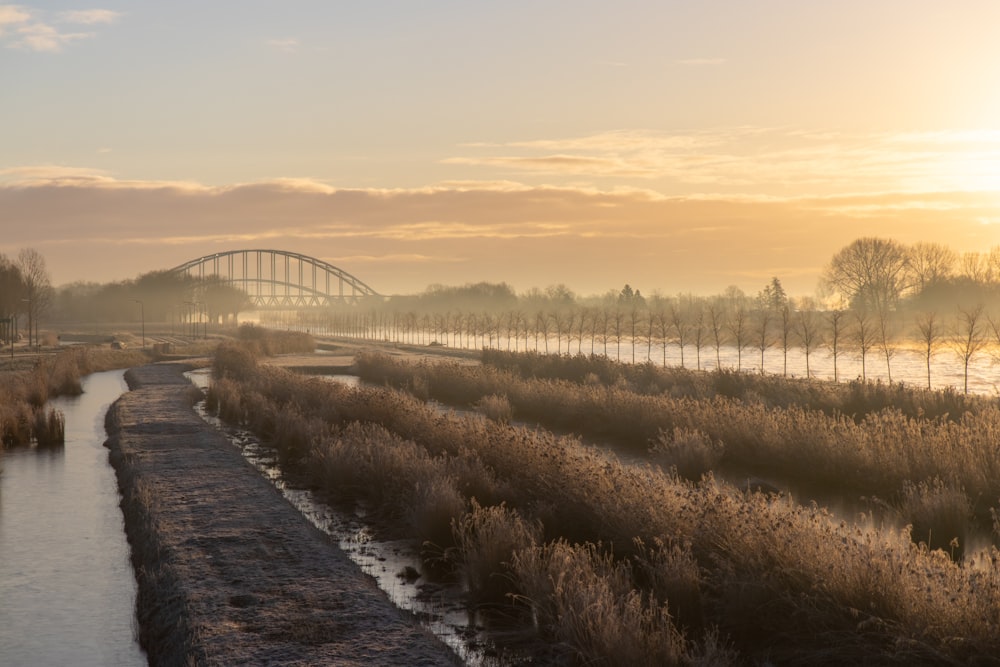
(67, 590)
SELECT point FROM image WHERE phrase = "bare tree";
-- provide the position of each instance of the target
(865, 336)
(37, 287)
(870, 273)
(886, 333)
(717, 325)
(617, 320)
(762, 331)
(930, 336)
(976, 267)
(681, 327)
(837, 319)
(542, 322)
(785, 322)
(635, 316)
(808, 329)
(969, 338)
(931, 262)
(699, 334)
(739, 327)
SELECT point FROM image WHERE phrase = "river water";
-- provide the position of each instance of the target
(67, 590)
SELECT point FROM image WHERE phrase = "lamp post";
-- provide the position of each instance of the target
(142, 317)
(28, 300)
(190, 305)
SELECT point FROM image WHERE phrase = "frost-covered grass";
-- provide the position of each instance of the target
(624, 564)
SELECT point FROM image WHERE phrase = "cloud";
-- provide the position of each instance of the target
(758, 160)
(29, 29)
(44, 38)
(288, 45)
(93, 226)
(89, 16)
(12, 15)
(701, 62)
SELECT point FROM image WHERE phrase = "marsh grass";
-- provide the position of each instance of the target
(24, 419)
(939, 514)
(495, 407)
(821, 450)
(634, 564)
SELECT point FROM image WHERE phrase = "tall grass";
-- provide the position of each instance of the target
(24, 419)
(856, 398)
(617, 562)
(821, 451)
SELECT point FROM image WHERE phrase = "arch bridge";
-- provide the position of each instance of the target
(279, 280)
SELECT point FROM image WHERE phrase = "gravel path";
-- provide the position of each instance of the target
(229, 572)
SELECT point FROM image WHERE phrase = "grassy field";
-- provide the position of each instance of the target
(661, 561)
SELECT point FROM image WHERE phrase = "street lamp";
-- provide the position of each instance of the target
(193, 326)
(29, 320)
(142, 317)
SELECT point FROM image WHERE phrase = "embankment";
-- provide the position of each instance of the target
(229, 572)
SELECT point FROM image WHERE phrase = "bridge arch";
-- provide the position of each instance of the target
(279, 280)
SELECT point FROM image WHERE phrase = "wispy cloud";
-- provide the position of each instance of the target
(287, 45)
(701, 62)
(30, 29)
(89, 16)
(12, 15)
(760, 160)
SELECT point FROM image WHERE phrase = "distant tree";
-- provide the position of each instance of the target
(886, 334)
(969, 337)
(931, 263)
(762, 321)
(930, 333)
(635, 317)
(739, 327)
(583, 318)
(542, 324)
(808, 328)
(699, 332)
(976, 267)
(785, 334)
(37, 287)
(871, 273)
(616, 318)
(865, 336)
(773, 296)
(679, 323)
(717, 327)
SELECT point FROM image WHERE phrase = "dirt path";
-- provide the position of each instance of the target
(229, 572)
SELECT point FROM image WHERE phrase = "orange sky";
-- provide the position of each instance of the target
(670, 146)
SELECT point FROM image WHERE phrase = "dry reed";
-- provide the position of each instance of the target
(783, 583)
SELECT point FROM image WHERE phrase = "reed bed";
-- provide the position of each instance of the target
(855, 398)
(821, 451)
(24, 419)
(620, 564)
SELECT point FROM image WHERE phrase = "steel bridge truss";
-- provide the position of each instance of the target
(279, 280)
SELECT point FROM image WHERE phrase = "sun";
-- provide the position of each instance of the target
(971, 163)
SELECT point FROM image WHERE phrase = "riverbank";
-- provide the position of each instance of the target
(229, 572)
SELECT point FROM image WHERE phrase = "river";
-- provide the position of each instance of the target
(67, 590)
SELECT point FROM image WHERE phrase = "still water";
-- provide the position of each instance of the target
(67, 591)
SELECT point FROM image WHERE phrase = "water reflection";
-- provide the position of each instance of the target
(67, 591)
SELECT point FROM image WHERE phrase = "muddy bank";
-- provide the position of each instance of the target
(229, 572)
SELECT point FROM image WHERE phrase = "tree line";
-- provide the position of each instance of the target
(874, 295)
(27, 297)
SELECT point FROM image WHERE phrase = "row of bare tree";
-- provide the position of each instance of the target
(702, 325)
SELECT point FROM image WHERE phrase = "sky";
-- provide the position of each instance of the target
(676, 146)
